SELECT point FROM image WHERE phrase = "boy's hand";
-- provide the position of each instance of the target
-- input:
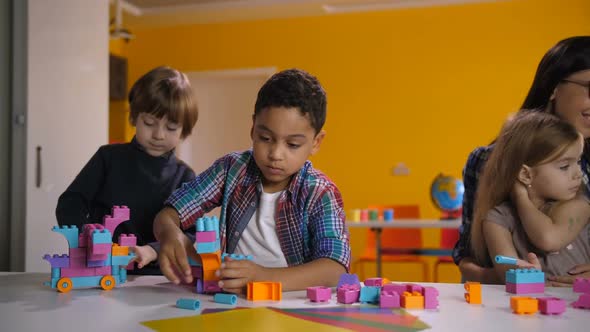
(174, 247)
(236, 274)
(143, 255)
(579, 271)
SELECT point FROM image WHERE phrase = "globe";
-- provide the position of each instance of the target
(446, 193)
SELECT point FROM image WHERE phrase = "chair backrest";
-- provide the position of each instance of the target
(448, 237)
(398, 238)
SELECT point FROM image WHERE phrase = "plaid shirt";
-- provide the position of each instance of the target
(471, 174)
(309, 215)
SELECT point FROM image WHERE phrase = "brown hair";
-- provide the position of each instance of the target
(530, 138)
(165, 91)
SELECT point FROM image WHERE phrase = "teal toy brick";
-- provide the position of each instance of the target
(208, 247)
(121, 260)
(236, 257)
(101, 236)
(70, 233)
(525, 276)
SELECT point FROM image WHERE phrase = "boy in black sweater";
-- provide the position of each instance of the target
(140, 174)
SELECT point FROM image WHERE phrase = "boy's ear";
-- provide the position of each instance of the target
(317, 141)
(552, 97)
(525, 175)
(252, 128)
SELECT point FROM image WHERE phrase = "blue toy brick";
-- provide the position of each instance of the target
(81, 282)
(230, 299)
(101, 236)
(236, 257)
(58, 260)
(209, 247)
(370, 294)
(70, 233)
(189, 304)
(55, 272)
(122, 275)
(525, 276)
(121, 260)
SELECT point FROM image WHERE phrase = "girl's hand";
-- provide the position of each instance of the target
(236, 274)
(532, 262)
(519, 191)
(579, 271)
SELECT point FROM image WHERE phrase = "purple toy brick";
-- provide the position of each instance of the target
(583, 301)
(389, 299)
(398, 288)
(57, 260)
(347, 294)
(430, 298)
(202, 237)
(534, 288)
(582, 285)
(128, 240)
(551, 305)
(319, 293)
(348, 279)
(374, 282)
(97, 263)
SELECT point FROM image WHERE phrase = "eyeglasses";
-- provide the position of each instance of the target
(584, 84)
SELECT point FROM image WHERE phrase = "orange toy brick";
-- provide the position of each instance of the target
(524, 305)
(118, 250)
(473, 295)
(413, 300)
(264, 290)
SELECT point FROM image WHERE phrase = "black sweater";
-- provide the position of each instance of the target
(123, 174)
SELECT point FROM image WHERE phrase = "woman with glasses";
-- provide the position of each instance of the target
(562, 87)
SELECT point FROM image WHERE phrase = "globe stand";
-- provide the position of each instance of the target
(450, 215)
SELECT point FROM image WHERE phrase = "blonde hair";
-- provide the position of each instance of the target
(530, 138)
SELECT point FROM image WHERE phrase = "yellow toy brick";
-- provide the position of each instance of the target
(524, 305)
(264, 290)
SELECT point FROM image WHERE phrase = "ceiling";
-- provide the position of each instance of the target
(149, 13)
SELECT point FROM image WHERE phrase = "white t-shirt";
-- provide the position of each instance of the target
(260, 239)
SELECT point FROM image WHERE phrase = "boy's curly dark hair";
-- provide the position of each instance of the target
(294, 88)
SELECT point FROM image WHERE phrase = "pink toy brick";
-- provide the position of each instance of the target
(374, 282)
(103, 270)
(551, 305)
(348, 294)
(319, 293)
(389, 300)
(533, 288)
(121, 212)
(127, 240)
(583, 301)
(414, 288)
(202, 237)
(82, 243)
(430, 298)
(582, 285)
(77, 272)
(398, 288)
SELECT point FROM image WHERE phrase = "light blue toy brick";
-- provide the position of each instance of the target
(82, 282)
(208, 247)
(370, 294)
(70, 233)
(101, 236)
(121, 260)
(230, 299)
(525, 276)
(55, 272)
(122, 275)
(236, 257)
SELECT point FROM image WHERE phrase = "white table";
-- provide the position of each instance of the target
(27, 305)
(378, 226)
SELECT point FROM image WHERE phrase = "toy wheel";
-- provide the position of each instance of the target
(107, 282)
(64, 285)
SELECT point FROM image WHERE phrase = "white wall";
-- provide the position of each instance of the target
(67, 109)
(226, 103)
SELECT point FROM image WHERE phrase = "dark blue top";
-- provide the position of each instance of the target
(123, 174)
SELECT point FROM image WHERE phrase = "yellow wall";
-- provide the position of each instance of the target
(119, 128)
(420, 86)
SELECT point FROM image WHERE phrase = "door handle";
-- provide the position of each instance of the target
(38, 168)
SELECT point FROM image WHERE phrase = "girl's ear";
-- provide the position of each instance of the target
(525, 175)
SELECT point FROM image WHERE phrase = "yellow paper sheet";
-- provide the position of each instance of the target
(256, 319)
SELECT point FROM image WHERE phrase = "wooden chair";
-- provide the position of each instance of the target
(398, 245)
(448, 238)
